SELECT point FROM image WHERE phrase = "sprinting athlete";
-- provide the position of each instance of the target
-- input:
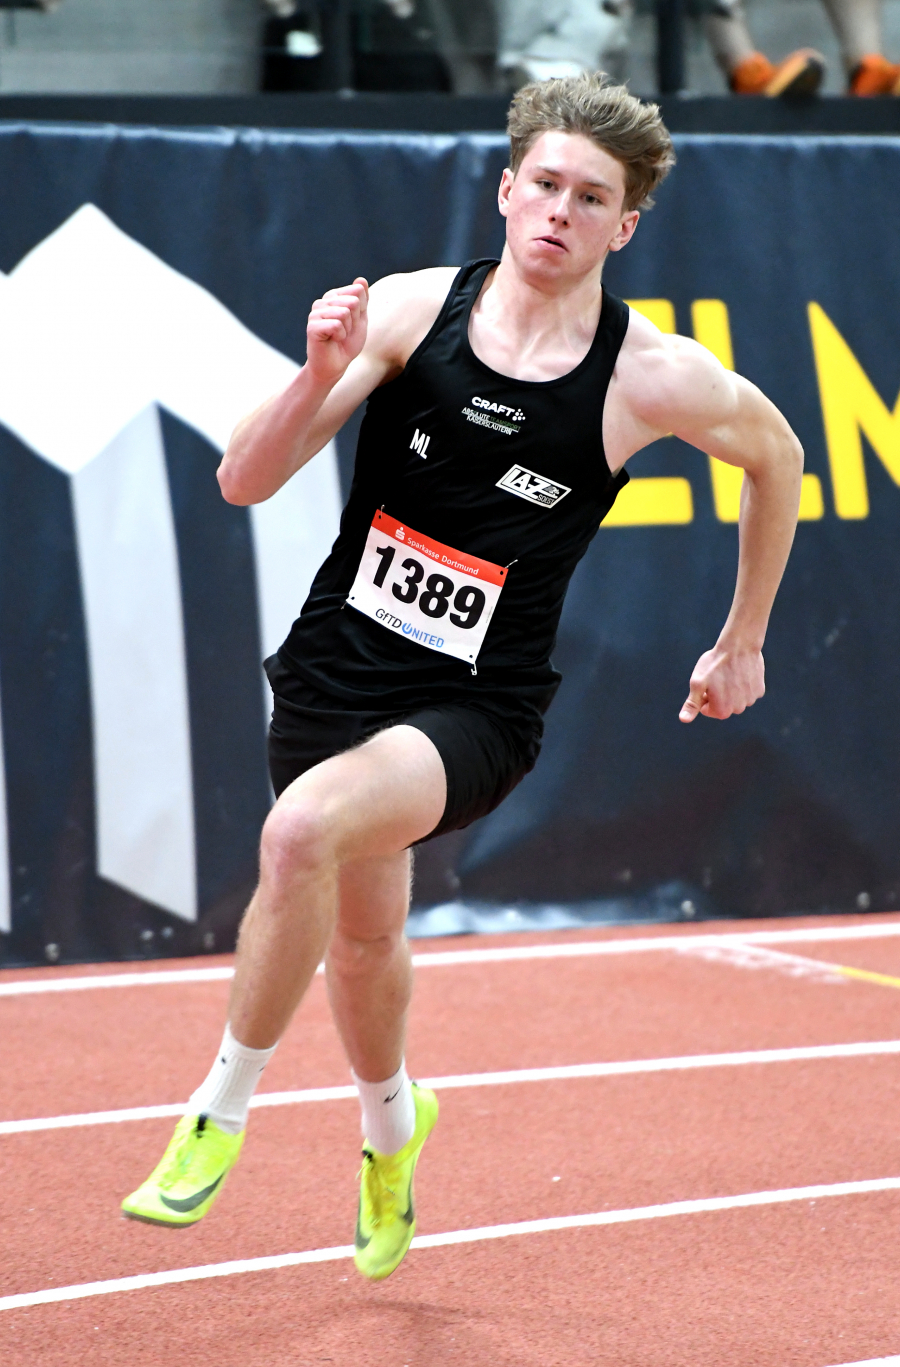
(503, 402)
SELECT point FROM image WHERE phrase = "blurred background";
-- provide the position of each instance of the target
(180, 181)
(465, 47)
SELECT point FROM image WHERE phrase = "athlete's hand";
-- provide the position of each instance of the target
(336, 331)
(726, 681)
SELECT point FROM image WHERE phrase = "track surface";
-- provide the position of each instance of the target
(798, 1284)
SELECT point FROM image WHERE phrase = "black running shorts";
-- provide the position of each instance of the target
(485, 750)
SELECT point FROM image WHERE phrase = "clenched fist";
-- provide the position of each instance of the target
(336, 331)
(724, 683)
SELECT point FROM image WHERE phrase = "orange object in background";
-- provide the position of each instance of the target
(875, 75)
(800, 73)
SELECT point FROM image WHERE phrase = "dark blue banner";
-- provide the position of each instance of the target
(156, 285)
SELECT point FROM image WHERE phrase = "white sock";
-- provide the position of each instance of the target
(225, 1094)
(388, 1111)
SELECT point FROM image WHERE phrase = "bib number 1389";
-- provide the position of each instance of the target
(430, 593)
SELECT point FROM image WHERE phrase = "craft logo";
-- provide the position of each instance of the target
(514, 414)
(497, 417)
(526, 484)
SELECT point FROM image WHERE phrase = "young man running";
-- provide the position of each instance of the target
(504, 400)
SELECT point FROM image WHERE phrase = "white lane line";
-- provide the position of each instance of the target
(563, 1073)
(180, 1274)
(25, 987)
(70, 1122)
(760, 957)
(583, 948)
(510, 954)
(874, 1362)
(458, 1236)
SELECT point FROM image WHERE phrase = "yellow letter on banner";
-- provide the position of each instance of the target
(653, 501)
(712, 330)
(851, 405)
(661, 312)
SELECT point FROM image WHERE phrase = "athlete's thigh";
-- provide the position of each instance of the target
(374, 800)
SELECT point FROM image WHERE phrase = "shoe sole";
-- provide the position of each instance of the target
(799, 77)
(164, 1224)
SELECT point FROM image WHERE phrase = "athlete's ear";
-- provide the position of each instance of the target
(506, 184)
(625, 231)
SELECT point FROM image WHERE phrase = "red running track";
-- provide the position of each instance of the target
(803, 1283)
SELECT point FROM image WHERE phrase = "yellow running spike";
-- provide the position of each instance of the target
(190, 1175)
(386, 1221)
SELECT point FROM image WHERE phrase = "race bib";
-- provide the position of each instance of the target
(425, 591)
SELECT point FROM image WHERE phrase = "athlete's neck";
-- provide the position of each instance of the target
(533, 329)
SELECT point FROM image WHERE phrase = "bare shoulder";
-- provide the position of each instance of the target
(661, 376)
(664, 383)
(402, 308)
(409, 287)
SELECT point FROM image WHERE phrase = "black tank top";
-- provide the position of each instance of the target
(510, 471)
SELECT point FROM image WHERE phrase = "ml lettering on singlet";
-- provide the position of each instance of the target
(430, 593)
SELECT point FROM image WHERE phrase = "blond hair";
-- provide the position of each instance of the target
(615, 120)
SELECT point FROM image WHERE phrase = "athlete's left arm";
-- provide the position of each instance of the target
(686, 391)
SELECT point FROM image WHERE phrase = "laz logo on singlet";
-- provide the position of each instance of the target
(537, 489)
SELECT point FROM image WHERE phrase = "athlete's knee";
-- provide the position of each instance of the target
(355, 952)
(296, 839)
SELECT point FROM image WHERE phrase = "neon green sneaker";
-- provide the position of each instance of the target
(190, 1175)
(387, 1222)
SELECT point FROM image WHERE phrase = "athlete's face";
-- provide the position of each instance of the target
(564, 208)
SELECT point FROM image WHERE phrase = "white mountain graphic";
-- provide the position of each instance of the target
(95, 333)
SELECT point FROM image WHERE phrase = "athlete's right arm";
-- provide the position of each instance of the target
(356, 339)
